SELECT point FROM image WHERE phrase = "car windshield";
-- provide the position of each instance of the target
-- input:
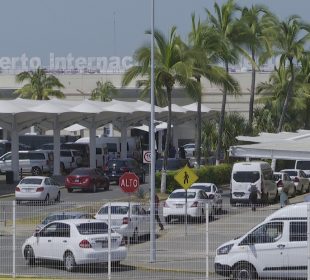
(92, 228)
(31, 181)
(277, 177)
(246, 176)
(202, 187)
(117, 210)
(57, 217)
(80, 171)
(177, 195)
(291, 172)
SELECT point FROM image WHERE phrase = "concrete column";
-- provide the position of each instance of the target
(273, 164)
(15, 149)
(124, 139)
(247, 159)
(56, 131)
(92, 144)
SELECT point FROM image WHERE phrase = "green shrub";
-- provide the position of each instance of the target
(219, 175)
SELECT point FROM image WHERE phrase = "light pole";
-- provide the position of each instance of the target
(153, 156)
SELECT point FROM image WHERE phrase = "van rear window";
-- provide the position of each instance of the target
(246, 176)
(303, 164)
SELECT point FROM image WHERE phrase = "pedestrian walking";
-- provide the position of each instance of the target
(157, 214)
(253, 196)
(284, 197)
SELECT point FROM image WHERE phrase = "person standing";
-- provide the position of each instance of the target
(284, 197)
(157, 214)
(253, 196)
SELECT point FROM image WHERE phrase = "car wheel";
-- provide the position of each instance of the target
(36, 171)
(69, 190)
(47, 199)
(29, 256)
(69, 262)
(94, 188)
(244, 271)
(58, 197)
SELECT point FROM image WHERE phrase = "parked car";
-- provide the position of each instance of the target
(284, 182)
(85, 178)
(299, 178)
(130, 220)
(193, 162)
(172, 164)
(33, 162)
(174, 206)
(115, 168)
(57, 216)
(189, 149)
(212, 192)
(37, 188)
(74, 242)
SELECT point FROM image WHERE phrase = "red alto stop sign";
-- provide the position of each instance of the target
(129, 182)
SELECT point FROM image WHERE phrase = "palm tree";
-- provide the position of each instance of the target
(224, 24)
(203, 42)
(253, 31)
(40, 86)
(290, 40)
(104, 91)
(171, 67)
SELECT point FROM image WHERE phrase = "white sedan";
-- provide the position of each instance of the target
(132, 223)
(212, 192)
(37, 188)
(174, 207)
(75, 242)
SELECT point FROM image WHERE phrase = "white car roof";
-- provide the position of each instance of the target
(35, 177)
(121, 203)
(202, 184)
(297, 211)
(78, 221)
(182, 190)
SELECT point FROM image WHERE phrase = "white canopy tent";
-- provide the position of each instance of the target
(55, 114)
(283, 145)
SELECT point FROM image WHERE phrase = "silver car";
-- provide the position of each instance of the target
(284, 182)
(299, 178)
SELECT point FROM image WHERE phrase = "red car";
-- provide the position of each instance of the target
(86, 178)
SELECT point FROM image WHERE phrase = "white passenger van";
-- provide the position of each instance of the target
(256, 172)
(277, 247)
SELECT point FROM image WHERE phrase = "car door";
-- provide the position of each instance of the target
(55, 187)
(297, 249)
(266, 249)
(135, 219)
(6, 162)
(45, 245)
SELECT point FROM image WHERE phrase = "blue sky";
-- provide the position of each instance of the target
(103, 27)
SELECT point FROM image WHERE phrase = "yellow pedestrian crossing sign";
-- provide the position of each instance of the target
(186, 177)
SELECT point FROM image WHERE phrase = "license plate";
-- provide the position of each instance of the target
(179, 205)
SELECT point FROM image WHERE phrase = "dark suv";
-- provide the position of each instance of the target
(115, 168)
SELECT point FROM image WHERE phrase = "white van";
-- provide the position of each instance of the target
(277, 247)
(256, 172)
(33, 162)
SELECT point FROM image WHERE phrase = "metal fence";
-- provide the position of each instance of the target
(183, 250)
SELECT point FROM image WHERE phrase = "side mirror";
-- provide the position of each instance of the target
(211, 196)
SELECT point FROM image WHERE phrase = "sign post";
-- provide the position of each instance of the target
(186, 177)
